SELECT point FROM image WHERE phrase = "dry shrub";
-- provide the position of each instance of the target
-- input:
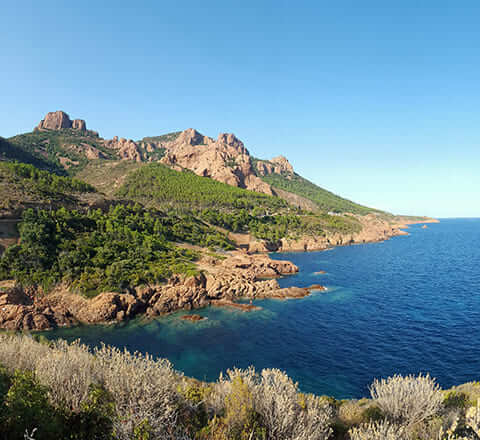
(285, 415)
(21, 352)
(274, 397)
(407, 400)
(69, 371)
(144, 392)
(383, 430)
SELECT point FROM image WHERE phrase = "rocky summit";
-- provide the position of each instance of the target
(58, 120)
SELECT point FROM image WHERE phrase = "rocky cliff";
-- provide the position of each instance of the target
(58, 120)
(225, 159)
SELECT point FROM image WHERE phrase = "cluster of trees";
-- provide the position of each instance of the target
(159, 185)
(96, 251)
(59, 390)
(40, 181)
(235, 209)
(259, 224)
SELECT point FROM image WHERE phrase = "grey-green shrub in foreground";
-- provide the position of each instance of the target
(383, 430)
(407, 400)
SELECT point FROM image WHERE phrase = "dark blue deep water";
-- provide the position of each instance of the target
(408, 305)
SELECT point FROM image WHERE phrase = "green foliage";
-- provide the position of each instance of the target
(372, 414)
(94, 421)
(456, 399)
(65, 144)
(27, 407)
(158, 185)
(325, 200)
(39, 181)
(96, 251)
(12, 151)
(240, 416)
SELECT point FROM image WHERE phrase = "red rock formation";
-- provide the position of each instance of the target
(226, 159)
(277, 165)
(58, 120)
(125, 148)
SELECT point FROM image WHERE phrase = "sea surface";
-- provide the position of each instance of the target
(407, 305)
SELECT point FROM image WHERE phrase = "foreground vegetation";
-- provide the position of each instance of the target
(56, 390)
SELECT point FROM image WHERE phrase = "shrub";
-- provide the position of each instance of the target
(27, 407)
(383, 430)
(407, 400)
(69, 372)
(144, 392)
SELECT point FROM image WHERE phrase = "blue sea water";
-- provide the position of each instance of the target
(407, 305)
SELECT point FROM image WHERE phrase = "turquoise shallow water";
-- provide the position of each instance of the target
(408, 305)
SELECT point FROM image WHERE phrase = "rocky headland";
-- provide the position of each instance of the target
(220, 282)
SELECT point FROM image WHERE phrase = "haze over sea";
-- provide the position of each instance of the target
(407, 305)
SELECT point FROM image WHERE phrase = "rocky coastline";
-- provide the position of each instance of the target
(220, 282)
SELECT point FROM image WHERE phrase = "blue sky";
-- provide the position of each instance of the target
(377, 101)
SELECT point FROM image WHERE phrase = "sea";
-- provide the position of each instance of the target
(408, 305)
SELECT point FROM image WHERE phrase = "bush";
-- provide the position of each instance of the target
(407, 400)
(27, 407)
(144, 391)
(383, 430)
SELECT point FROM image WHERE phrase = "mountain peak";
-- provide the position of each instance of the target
(58, 120)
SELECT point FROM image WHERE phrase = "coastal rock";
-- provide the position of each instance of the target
(225, 281)
(192, 318)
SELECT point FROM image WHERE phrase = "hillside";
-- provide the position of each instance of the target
(323, 199)
(23, 185)
(65, 146)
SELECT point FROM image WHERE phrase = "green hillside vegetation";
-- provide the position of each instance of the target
(15, 152)
(99, 251)
(238, 210)
(55, 146)
(325, 200)
(21, 183)
(157, 185)
(107, 175)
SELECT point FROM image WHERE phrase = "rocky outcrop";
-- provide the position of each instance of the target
(225, 159)
(125, 148)
(58, 120)
(79, 124)
(237, 276)
(277, 165)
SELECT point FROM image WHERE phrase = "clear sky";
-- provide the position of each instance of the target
(378, 101)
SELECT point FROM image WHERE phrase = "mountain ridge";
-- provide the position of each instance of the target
(69, 146)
